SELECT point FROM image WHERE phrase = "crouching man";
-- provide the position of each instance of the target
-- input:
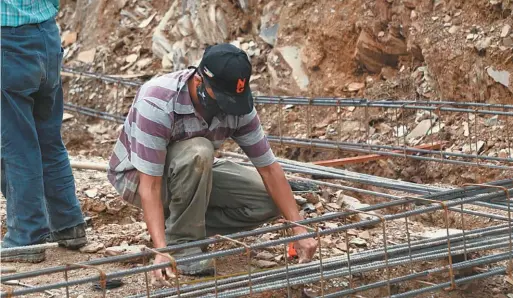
(164, 159)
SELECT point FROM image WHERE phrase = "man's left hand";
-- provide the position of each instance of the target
(305, 248)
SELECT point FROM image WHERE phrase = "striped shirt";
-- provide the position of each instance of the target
(22, 12)
(162, 113)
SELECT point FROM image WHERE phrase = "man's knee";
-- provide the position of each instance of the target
(194, 156)
(200, 152)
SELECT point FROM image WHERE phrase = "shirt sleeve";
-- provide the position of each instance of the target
(250, 136)
(149, 132)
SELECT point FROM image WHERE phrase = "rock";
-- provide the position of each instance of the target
(291, 55)
(499, 76)
(388, 73)
(66, 117)
(92, 247)
(374, 54)
(353, 203)
(466, 129)
(265, 255)
(91, 193)
(270, 34)
(308, 207)
(492, 121)
(355, 86)
(358, 242)
(334, 206)
(125, 250)
(87, 56)
(471, 36)
(454, 29)
(147, 21)
(264, 263)
(131, 58)
(413, 15)
(505, 30)
(437, 233)
(342, 246)
(115, 206)
(167, 62)
(421, 129)
(411, 4)
(508, 42)
(312, 197)
(447, 18)
(330, 225)
(143, 63)
(400, 131)
(504, 153)
(68, 38)
(471, 148)
(300, 200)
(364, 235)
(184, 25)
(319, 207)
(483, 44)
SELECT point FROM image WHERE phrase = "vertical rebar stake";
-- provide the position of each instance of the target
(316, 230)
(476, 133)
(215, 276)
(463, 231)
(446, 213)
(508, 136)
(145, 262)
(66, 279)
(506, 191)
(385, 239)
(248, 253)
(172, 263)
(408, 238)
(102, 277)
(280, 100)
(348, 257)
(287, 268)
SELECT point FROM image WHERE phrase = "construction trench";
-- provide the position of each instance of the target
(404, 266)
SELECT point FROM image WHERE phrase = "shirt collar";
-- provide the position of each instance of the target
(183, 103)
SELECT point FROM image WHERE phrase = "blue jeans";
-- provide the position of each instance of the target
(36, 176)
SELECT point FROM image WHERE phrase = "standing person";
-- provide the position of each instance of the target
(164, 159)
(36, 177)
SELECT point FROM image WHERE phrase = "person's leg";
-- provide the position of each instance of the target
(65, 215)
(188, 181)
(22, 171)
(238, 201)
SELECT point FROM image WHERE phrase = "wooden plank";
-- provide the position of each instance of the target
(372, 157)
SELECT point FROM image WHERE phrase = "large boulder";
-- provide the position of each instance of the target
(187, 27)
(376, 52)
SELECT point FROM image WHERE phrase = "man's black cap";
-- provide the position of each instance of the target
(227, 70)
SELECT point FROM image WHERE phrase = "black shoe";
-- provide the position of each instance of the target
(196, 268)
(71, 238)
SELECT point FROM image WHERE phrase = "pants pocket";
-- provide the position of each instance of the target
(54, 72)
(20, 72)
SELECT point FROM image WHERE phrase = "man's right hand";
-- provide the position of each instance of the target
(161, 276)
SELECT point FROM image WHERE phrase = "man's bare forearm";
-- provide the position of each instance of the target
(279, 189)
(150, 192)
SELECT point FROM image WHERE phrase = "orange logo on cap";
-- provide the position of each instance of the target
(240, 85)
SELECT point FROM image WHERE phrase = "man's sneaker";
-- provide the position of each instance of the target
(71, 238)
(32, 256)
(196, 268)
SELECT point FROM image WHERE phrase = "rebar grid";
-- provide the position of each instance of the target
(388, 255)
(385, 257)
(397, 147)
